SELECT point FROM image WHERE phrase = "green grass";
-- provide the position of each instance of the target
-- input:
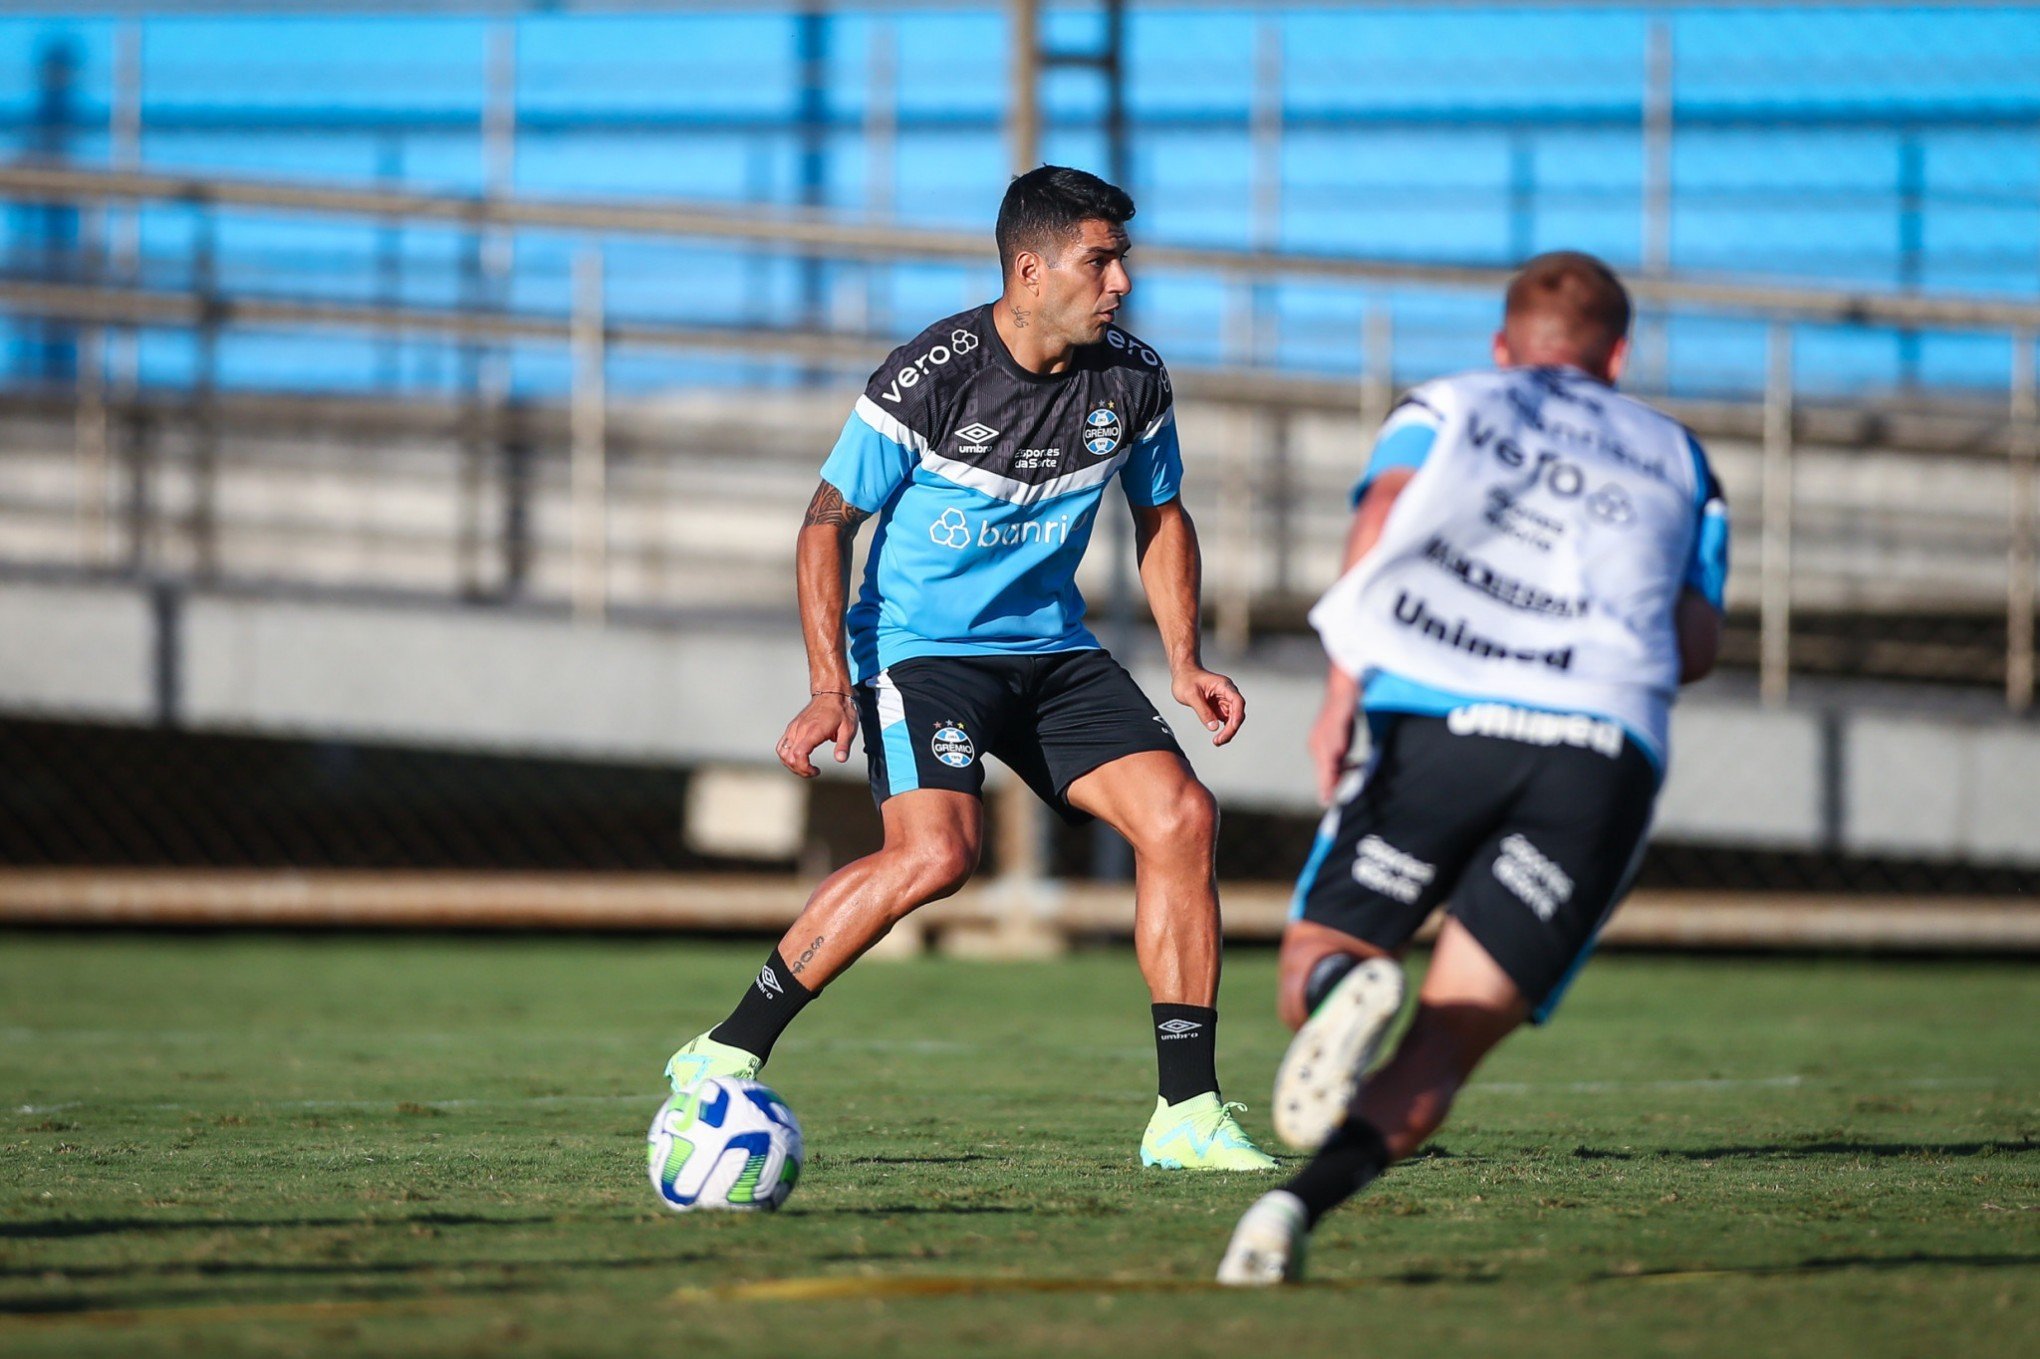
(320, 1145)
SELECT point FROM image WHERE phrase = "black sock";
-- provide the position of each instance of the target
(770, 1004)
(1186, 1050)
(1352, 1158)
(1328, 972)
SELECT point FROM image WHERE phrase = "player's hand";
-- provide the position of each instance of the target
(826, 718)
(1330, 741)
(1216, 700)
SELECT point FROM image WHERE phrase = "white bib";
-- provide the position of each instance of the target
(1537, 555)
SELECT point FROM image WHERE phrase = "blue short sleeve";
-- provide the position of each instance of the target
(870, 463)
(1405, 441)
(1154, 468)
(1707, 570)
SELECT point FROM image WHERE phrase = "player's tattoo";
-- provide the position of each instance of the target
(807, 956)
(1020, 315)
(829, 507)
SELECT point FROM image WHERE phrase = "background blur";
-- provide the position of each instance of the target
(405, 418)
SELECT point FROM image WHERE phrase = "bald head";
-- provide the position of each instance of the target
(1565, 308)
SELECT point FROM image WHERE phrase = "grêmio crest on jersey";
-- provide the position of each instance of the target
(960, 391)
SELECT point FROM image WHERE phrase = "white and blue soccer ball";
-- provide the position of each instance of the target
(726, 1144)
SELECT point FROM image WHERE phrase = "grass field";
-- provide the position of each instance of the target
(325, 1145)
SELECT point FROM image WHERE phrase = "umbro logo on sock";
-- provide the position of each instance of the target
(768, 983)
(1177, 1028)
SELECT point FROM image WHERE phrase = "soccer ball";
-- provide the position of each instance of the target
(725, 1143)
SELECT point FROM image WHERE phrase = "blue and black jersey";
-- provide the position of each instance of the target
(985, 479)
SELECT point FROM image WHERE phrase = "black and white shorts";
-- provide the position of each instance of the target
(1533, 837)
(1053, 718)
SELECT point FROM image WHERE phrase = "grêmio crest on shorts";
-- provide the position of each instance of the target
(986, 480)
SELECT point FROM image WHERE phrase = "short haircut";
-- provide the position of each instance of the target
(1565, 306)
(1048, 206)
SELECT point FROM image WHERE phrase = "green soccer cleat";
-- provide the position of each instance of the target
(702, 1057)
(1200, 1134)
(1267, 1246)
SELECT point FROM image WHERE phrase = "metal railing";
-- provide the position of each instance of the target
(98, 299)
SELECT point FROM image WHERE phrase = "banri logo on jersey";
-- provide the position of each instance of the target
(956, 531)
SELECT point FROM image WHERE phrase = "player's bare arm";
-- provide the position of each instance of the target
(1172, 575)
(822, 580)
(1699, 627)
(1331, 734)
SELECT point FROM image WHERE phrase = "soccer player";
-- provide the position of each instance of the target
(1534, 566)
(983, 448)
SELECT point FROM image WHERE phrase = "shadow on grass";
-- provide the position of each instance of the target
(1790, 1149)
(1827, 1264)
(50, 1229)
(169, 1303)
(965, 1159)
(1423, 1278)
(224, 1269)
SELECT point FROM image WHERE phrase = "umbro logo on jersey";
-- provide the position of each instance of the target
(1177, 1028)
(975, 437)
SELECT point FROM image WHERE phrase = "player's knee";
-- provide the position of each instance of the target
(940, 869)
(1188, 819)
(1312, 961)
(1292, 1006)
(1197, 816)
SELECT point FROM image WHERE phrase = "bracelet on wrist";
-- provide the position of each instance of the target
(838, 693)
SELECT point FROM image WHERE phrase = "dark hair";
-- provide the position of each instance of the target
(1054, 201)
(1569, 301)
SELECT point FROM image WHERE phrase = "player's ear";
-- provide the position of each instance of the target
(1027, 270)
(1618, 359)
(1503, 358)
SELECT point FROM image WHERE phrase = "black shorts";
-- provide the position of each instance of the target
(929, 722)
(1533, 840)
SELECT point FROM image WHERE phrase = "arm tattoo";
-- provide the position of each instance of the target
(829, 507)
